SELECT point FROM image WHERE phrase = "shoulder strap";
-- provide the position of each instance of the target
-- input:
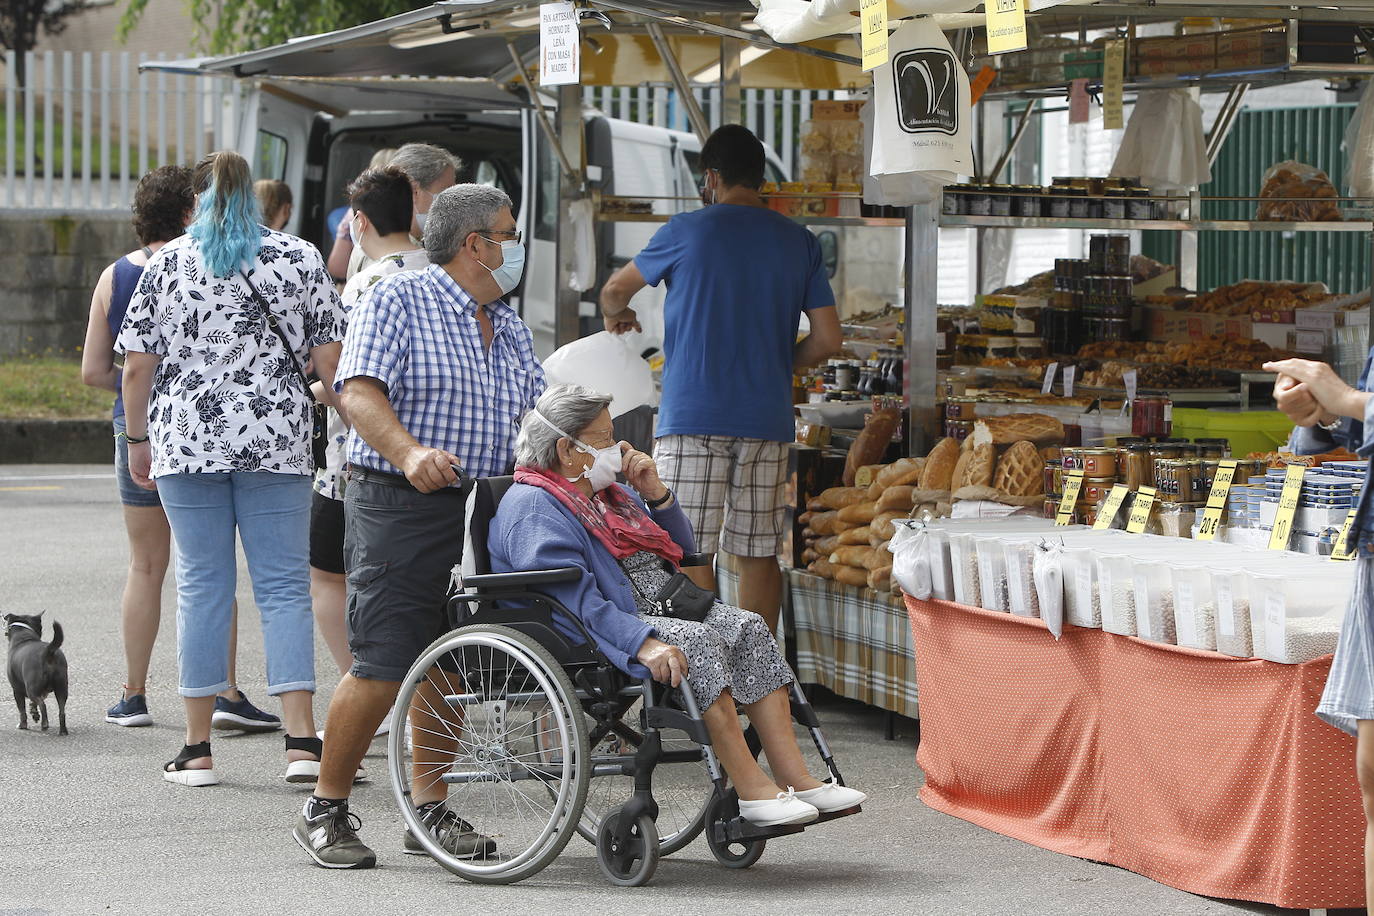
(271, 320)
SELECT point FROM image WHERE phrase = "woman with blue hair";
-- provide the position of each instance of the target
(219, 419)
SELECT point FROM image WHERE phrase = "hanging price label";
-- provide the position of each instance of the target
(1344, 549)
(1113, 84)
(1216, 501)
(1288, 508)
(873, 34)
(1140, 510)
(1070, 373)
(1131, 378)
(1107, 514)
(1047, 383)
(1006, 24)
(1073, 485)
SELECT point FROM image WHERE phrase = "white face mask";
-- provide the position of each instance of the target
(420, 220)
(606, 462)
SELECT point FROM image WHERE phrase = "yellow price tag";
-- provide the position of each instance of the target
(1110, 507)
(1216, 501)
(1113, 85)
(873, 33)
(1006, 24)
(1140, 510)
(1288, 507)
(1073, 485)
(1343, 549)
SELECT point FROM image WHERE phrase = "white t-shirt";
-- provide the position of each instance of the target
(327, 477)
(226, 395)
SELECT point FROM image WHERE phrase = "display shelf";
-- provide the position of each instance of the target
(835, 221)
(1172, 225)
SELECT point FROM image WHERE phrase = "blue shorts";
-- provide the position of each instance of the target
(130, 493)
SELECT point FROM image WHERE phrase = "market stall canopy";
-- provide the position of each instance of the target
(793, 21)
(467, 39)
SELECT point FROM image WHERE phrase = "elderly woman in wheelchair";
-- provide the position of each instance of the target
(567, 510)
(580, 652)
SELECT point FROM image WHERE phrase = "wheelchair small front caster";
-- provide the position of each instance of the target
(731, 854)
(631, 862)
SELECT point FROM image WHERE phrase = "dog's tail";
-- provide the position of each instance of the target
(56, 641)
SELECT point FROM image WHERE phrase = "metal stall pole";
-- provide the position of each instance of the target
(731, 85)
(571, 188)
(700, 126)
(922, 253)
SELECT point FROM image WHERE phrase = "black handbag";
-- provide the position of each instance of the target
(319, 426)
(679, 597)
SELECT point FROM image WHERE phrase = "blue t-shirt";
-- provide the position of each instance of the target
(738, 280)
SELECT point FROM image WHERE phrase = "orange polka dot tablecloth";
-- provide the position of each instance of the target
(1207, 773)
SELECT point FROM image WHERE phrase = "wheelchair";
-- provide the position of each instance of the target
(521, 721)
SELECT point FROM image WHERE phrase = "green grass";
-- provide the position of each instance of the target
(58, 154)
(45, 388)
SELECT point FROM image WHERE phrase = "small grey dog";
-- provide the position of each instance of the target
(37, 669)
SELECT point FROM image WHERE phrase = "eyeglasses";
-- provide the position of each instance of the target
(514, 235)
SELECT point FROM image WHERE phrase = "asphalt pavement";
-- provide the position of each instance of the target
(87, 825)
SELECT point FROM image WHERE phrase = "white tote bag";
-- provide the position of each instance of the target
(922, 120)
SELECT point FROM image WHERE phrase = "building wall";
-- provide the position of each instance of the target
(165, 28)
(49, 264)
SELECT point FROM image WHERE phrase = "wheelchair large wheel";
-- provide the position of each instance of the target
(683, 790)
(493, 714)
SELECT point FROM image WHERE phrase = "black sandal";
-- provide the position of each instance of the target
(298, 771)
(176, 770)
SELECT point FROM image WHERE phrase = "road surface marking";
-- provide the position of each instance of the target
(12, 489)
(109, 476)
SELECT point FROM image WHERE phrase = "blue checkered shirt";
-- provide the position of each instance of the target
(417, 334)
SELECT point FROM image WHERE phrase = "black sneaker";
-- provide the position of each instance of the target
(332, 839)
(129, 712)
(456, 835)
(242, 715)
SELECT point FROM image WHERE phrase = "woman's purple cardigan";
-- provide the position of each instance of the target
(533, 530)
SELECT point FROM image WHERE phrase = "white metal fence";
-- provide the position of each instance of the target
(86, 125)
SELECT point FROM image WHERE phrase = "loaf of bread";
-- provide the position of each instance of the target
(961, 466)
(852, 556)
(859, 513)
(826, 545)
(902, 471)
(1020, 471)
(814, 504)
(823, 523)
(821, 568)
(841, 497)
(869, 447)
(880, 557)
(980, 468)
(805, 518)
(850, 575)
(1038, 428)
(895, 499)
(884, 526)
(809, 555)
(865, 476)
(938, 473)
(855, 536)
(880, 579)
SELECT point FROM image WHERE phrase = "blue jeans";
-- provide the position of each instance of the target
(271, 513)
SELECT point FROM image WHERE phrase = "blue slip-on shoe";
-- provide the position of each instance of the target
(243, 716)
(130, 712)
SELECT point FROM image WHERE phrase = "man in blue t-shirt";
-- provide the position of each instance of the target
(739, 276)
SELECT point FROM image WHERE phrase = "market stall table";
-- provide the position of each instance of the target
(1207, 773)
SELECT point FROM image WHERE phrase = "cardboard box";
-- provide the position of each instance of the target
(1167, 326)
(1312, 342)
(1273, 316)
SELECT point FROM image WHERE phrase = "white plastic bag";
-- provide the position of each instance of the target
(910, 565)
(1049, 586)
(1359, 148)
(608, 363)
(921, 109)
(1164, 144)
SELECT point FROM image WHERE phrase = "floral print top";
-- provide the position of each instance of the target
(327, 478)
(226, 395)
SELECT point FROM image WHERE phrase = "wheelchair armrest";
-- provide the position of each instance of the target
(523, 580)
(695, 559)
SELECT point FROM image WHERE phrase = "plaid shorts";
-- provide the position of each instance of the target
(726, 479)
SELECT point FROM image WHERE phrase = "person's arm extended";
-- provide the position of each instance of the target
(139, 369)
(365, 403)
(823, 342)
(98, 367)
(615, 299)
(325, 359)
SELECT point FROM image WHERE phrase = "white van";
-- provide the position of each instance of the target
(318, 153)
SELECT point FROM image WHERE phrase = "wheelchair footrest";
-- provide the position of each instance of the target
(738, 830)
(834, 815)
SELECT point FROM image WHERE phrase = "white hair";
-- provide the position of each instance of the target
(571, 408)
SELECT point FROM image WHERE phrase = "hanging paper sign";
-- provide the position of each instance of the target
(1132, 380)
(1107, 514)
(1078, 102)
(1070, 374)
(1113, 84)
(1047, 383)
(1073, 485)
(1006, 23)
(1288, 508)
(981, 83)
(560, 45)
(1216, 501)
(873, 34)
(1344, 550)
(1140, 510)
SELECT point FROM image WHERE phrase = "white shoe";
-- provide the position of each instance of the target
(787, 808)
(382, 730)
(831, 797)
(194, 778)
